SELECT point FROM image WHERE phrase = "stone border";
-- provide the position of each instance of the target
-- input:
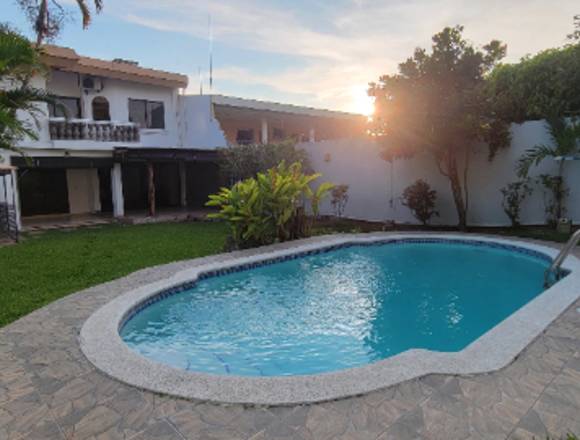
(102, 345)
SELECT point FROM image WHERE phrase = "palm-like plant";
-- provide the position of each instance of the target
(47, 16)
(19, 62)
(565, 136)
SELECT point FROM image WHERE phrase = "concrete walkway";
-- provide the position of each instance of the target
(48, 390)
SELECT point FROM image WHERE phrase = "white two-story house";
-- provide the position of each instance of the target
(124, 140)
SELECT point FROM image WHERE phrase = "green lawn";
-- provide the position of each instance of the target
(48, 266)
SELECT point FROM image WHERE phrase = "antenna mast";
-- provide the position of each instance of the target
(210, 30)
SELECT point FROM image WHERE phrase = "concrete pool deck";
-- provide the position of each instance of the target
(49, 390)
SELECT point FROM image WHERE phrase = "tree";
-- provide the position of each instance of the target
(19, 62)
(436, 104)
(565, 137)
(47, 17)
(575, 35)
(540, 86)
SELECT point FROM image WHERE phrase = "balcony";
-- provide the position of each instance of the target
(62, 129)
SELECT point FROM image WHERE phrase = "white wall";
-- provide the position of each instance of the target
(376, 186)
(198, 126)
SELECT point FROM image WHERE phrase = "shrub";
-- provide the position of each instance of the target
(243, 161)
(514, 195)
(270, 207)
(420, 199)
(339, 199)
(555, 196)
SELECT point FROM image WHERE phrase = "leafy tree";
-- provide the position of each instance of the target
(269, 207)
(420, 199)
(19, 62)
(436, 104)
(565, 141)
(575, 35)
(540, 86)
(242, 161)
(47, 17)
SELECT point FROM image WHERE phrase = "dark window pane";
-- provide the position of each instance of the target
(101, 109)
(138, 112)
(245, 137)
(155, 115)
(278, 134)
(65, 107)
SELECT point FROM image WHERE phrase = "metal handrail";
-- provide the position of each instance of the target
(555, 266)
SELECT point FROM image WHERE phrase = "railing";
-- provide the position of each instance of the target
(99, 131)
(8, 225)
(557, 263)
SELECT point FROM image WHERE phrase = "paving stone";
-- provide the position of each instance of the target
(27, 417)
(161, 430)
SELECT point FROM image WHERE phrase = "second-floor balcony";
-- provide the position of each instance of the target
(63, 129)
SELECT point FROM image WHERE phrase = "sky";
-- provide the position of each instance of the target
(319, 53)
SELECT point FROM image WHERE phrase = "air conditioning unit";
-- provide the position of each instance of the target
(92, 84)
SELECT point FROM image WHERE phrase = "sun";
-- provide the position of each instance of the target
(361, 102)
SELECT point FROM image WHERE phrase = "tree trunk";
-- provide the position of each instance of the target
(151, 188)
(456, 188)
(41, 24)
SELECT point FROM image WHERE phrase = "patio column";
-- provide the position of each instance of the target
(264, 131)
(16, 199)
(312, 135)
(117, 190)
(151, 188)
(183, 183)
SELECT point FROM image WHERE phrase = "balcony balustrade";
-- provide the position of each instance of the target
(88, 130)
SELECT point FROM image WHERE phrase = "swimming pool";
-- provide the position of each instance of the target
(328, 317)
(339, 308)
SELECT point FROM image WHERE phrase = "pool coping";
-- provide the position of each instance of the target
(102, 345)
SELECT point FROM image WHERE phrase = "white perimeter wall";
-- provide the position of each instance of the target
(376, 186)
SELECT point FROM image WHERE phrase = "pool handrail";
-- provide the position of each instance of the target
(557, 262)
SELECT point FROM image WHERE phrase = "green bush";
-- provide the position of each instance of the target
(514, 194)
(270, 207)
(420, 199)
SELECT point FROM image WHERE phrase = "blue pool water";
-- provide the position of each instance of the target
(338, 309)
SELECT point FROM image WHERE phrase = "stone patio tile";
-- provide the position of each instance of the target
(323, 423)
(27, 417)
(15, 381)
(559, 426)
(253, 420)
(160, 430)
(219, 415)
(400, 431)
(209, 424)
(442, 416)
(94, 405)
(531, 425)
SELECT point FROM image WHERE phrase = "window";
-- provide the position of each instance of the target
(101, 109)
(245, 137)
(148, 114)
(66, 107)
(278, 134)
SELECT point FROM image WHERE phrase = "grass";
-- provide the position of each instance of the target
(49, 266)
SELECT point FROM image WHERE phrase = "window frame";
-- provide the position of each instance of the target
(53, 106)
(148, 111)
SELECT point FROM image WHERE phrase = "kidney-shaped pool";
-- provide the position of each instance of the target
(338, 309)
